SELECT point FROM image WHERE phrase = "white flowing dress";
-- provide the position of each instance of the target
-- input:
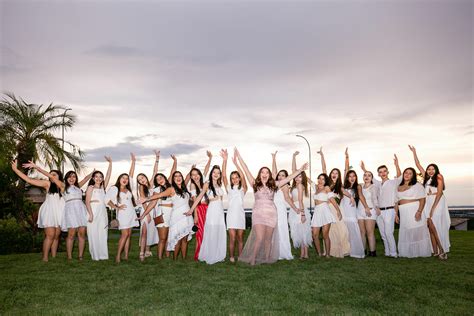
(235, 213)
(75, 211)
(149, 223)
(98, 229)
(441, 218)
(322, 213)
(283, 231)
(413, 236)
(370, 194)
(126, 217)
(180, 224)
(300, 232)
(214, 241)
(163, 208)
(349, 215)
(51, 212)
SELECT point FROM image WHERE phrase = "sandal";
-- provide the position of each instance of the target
(148, 254)
(443, 256)
(142, 256)
(231, 259)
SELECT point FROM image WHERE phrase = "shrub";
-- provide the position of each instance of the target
(14, 238)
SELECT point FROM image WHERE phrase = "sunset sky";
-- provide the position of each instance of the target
(191, 76)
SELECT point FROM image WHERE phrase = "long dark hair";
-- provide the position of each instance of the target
(146, 188)
(211, 182)
(53, 188)
(326, 179)
(270, 183)
(92, 181)
(180, 190)
(128, 187)
(201, 183)
(354, 187)
(162, 187)
(304, 182)
(336, 187)
(68, 174)
(434, 178)
(413, 178)
(240, 179)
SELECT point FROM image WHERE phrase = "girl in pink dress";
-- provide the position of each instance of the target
(262, 244)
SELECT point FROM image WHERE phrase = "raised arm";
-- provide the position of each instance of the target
(188, 176)
(274, 165)
(132, 165)
(293, 161)
(417, 161)
(323, 161)
(241, 173)
(292, 176)
(109, 172)
(86, 179)
(36, 182)
(346, 162)
(31, 164)
(224, 156)
(397, 166)
(157, 162)
(362, 166)
(173, 168)
(247, 172)
(208, 165)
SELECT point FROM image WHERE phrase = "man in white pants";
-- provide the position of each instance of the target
(387, 192)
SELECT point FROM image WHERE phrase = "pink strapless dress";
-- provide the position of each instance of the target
(264, 211)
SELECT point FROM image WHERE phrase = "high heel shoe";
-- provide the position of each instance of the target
(443, 256)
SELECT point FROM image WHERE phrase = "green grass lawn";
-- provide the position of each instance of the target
(319, 285)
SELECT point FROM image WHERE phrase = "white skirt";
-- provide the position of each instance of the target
(322, 215)
(235, 217)
(180, 226)
(75, 215)
(97, 232)
(127, 218)
(151, 232)
(300, 232)
(413, 237)
(440, 219)
(214, 241)
(166, 212)
(363, 216)
(349, 215)
(283, 233)
(51, 212)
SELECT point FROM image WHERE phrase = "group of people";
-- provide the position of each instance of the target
(174, 208)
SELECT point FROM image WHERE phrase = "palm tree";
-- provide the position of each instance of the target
(32, 128)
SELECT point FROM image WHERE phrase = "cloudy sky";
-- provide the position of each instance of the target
(189, 76)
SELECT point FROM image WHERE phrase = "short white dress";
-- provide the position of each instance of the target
(180, 224)
(235, 217)
(349, 215)
(370, 194)
(127, 217)
(149, 223)
(163, 208)
(51, 212)
(75, 211)
(413, 236)
(300, 232)
(98, 229)
(441, 219)
(322, 214)
(214, 241)
(283, 230)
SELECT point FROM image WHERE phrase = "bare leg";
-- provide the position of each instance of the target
(232, 234)
(127, 244)
(176, 250)
(268, 243)
(184, 247)
(55, 244)
(163, 234)
(315, 231)
(259, 231)
(370, 230)
(121, 244)
(81, 234)
(327, 241)
(240, 240)
(435, 239)
(143, 241)
(362, 232)
(71, 235)
(47, 242)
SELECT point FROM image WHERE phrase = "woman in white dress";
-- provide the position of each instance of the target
(323, 218)
(338, 233)
(181, 221)
(300, 221)
(235, 212)
(367, 216)
(120, 197)
(413, 236)
(349, 206)
(163, 207)
(214, 242)
(148, 231)
(282, 201)
(51, 211)
(436, 207)
(97, 230)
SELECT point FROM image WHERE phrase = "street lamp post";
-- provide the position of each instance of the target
(309, 162)
(64, 116)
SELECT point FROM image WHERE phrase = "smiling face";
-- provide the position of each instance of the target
(195, 176)
(299, 178)
(216, 174)
(161, 180)
(368, 177)
(55, 175)
(264, 175)
(124, 180)
(235, 179)
(178, 178)
(281, 175)
(98, 178)
(431, 171)
(407, 175)
(383, 173)
(321, 180)
(334, 175)
(142, 180)
(71, 180)
(352, 178)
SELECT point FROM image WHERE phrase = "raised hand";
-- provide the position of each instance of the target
(224, 154)
(108, 159)
(157, 154)
(320, 151)
(412, 148)
(274, 154)
(236, 152)
(395, 159)
(362, 165)
(209, 154)
(304, 167)
(296, 153)
(347, 152)
(132, 157)
(173, 157)
(29, 165)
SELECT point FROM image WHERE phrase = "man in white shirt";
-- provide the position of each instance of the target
(387, 192)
